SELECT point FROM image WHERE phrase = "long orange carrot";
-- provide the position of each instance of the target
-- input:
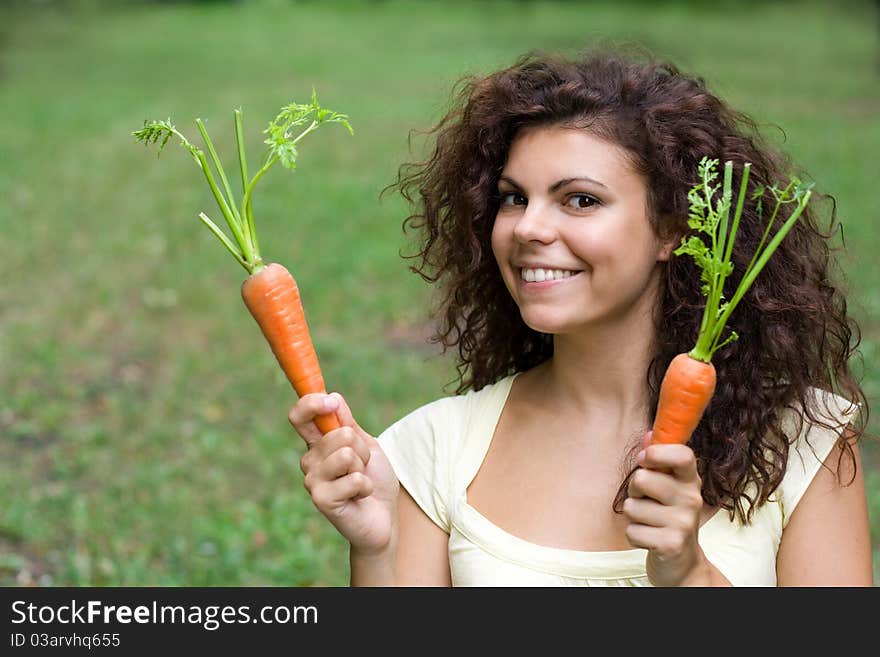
(689, 381)
(273, 298)
(269, 292)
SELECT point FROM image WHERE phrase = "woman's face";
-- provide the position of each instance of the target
(572, 236)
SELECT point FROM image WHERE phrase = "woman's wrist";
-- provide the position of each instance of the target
(705, 574)
(373, 567)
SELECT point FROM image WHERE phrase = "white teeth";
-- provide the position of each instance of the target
(541, 275)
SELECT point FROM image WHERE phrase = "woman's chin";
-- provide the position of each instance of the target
(545, 325)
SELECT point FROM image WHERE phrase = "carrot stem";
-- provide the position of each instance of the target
(723, 210)
(224, 208)
(716, 263)
(225, 240)
(750, 277)
(740, 202)
(779, 196)
(247, 211)
(230, 197)
(239, 141)
(248, 246)
(246, 205)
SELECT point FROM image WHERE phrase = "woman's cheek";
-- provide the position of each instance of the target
(500, 242)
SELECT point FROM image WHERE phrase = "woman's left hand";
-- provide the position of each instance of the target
(663, 507)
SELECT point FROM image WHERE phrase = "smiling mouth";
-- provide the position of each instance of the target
(542, 275)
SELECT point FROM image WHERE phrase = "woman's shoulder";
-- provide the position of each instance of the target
(426, 444)
(452, 411)
(819, 414)
(814, 425)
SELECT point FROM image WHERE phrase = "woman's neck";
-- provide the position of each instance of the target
(602, 371)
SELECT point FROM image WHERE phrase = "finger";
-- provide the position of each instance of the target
(343, 412)
(659, 486)
(667, 490)
(332, 494)
(343, 437)
(646, 536)
(677, 460)
(645, 511)
(362, 486)
(346, 418)
(302, 415)
(342, 462)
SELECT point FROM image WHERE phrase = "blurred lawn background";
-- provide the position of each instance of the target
(143, 421)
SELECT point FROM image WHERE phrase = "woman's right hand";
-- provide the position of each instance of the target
(348, 476)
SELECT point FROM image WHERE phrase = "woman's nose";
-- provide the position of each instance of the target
(535, 224)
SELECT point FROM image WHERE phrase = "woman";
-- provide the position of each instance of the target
(550, 211)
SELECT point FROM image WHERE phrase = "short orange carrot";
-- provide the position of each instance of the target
(273, 298)
(270, 292)
(687, 387)
(689, 381)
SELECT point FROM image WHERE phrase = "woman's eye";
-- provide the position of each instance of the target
(582, 201)
(512, 198)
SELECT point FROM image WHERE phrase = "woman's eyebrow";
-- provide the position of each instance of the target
(558, 184)
(586, 179)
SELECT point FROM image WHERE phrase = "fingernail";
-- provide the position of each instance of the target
(330, 403)
(640, 457)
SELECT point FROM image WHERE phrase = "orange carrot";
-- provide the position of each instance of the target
(269, 292)
(273, 298)
(687, 387)
(689, 381)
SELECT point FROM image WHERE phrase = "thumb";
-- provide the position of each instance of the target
(646, 440)
(343, 412)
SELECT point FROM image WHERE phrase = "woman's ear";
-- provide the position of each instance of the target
(668, 235)
(666, 249)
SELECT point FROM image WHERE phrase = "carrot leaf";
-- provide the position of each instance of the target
(282, 142)
(154, 131)
(709, 214)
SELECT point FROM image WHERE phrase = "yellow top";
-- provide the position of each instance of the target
(437, 450)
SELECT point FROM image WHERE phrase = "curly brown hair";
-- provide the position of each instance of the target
(793, 324)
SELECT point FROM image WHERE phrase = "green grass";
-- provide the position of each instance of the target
(143, 420)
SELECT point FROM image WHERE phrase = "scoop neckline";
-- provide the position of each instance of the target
(615, 564)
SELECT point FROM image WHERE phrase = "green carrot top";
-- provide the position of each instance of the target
(711, 218)
(282, 143)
